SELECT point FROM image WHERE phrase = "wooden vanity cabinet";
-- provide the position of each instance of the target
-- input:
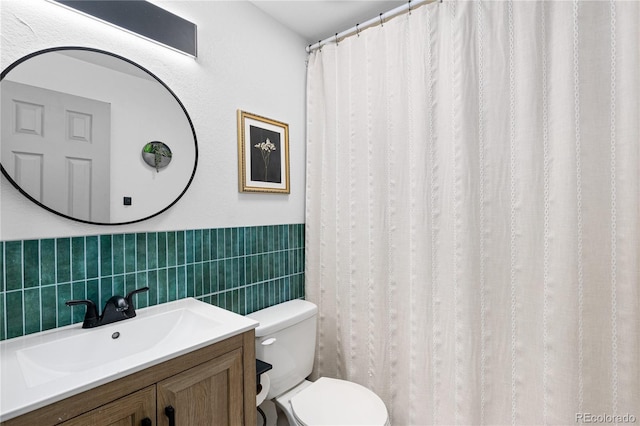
(209, 394)
(128, 410)
(215, 385)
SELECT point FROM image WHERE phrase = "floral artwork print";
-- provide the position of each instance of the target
(265, 155)
(266, 148)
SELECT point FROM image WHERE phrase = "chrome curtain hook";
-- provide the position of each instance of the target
(358, 30)
(409, 7)
(336, 39)
(381, 21)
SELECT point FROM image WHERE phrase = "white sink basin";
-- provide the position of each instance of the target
(45, 367)
(155, 332)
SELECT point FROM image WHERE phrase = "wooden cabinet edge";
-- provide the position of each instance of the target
(76, 405)
(249, 360)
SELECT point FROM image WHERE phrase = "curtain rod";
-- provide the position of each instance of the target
(379, 20)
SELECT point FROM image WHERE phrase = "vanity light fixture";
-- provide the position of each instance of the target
(143, 19)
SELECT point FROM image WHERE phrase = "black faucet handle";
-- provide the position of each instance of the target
(117, 303)
(131, 310)
(91, 315)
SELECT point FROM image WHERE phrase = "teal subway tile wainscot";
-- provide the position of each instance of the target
(240, 269)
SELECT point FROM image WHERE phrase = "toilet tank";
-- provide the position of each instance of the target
(286, 339)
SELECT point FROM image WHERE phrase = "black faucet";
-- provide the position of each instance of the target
(117, 308)
(91, 318)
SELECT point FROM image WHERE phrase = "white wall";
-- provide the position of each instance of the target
(246, 60)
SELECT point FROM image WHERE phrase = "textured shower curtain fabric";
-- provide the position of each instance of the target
(473, 212)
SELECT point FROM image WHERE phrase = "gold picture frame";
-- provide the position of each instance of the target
(263, 154)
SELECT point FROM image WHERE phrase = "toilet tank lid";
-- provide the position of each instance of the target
(282, 315)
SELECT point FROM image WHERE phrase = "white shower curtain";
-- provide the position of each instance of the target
(473, 212)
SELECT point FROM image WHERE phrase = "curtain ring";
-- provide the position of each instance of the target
(409, 7)
(381, 21)
(358, 30)
(336, 39)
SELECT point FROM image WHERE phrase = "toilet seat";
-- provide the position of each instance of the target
(338, 402)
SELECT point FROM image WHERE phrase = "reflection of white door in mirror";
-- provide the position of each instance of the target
(57, 149)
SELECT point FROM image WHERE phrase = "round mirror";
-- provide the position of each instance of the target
(73, 123)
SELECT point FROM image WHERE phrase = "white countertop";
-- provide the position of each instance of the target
(42, 368)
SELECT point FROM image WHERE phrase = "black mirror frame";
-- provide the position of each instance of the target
(90, 49)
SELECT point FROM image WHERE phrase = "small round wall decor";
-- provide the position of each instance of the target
(156, 154)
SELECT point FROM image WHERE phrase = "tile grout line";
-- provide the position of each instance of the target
(86, 275)
(40, 310)
(55, 277)
(24, 318)
(99, 260)
(157, 267)
(112, 262)
(165, 273)
(146, 267)
(4, 295)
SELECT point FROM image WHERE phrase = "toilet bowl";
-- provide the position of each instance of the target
(286, 339)
(332, 402)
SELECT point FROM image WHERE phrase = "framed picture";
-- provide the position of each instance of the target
(263, 154)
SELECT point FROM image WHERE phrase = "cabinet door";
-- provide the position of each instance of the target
(137, 409)
(208, 394)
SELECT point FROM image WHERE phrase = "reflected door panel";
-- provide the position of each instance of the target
(57, 148)
(28, 172)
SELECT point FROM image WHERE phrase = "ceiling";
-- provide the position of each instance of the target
(316, 20)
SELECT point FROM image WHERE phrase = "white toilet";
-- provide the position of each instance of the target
(286, 339)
